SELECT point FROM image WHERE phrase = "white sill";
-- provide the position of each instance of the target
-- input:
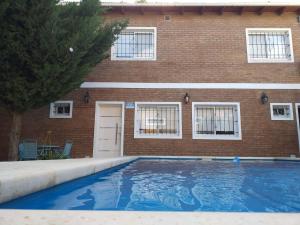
(270, 61)
(137, 136)
(60, 117)
(217, 137)
(133, 59)
(282, 118)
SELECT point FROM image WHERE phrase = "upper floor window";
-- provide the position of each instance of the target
(61, 109)
(269, 45)
(216, 120)
(135, 43)
(157, 120)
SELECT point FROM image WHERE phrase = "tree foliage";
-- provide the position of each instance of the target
(47, 49)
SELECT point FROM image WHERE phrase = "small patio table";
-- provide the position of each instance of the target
(45, 149)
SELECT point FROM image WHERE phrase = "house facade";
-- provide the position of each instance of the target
(185, 80)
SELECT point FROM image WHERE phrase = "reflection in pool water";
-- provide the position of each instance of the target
(178, 185)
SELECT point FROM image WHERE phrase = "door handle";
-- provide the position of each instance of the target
(116, 138)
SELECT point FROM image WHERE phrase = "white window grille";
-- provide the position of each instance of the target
(61, 109)
(269, 45)
(216, 121)
(157, 120)
(135, 43)
(281, 111)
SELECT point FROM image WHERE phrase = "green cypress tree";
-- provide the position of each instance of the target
(46, 51)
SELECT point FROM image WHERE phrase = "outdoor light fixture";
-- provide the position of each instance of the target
(186, 98)
(86, 97)
(264, 98)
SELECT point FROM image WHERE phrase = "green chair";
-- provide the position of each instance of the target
(65, 153)
(28, 150)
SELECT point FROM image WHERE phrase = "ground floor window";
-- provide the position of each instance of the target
(281, 111)
(213, 120)
(61, 109)
(157, 120)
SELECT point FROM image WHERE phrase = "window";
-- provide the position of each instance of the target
(216, 121)
(135, 43)
(61, 109)
(269, 45)
(157, 120)
(281, 111)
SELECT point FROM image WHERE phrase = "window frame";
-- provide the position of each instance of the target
(215, 136)
(273, 117)
(140, 30)
(137, 135)
(56, 116)
(251, 60)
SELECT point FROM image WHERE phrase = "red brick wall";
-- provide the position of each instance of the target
(190, 48)
(260, 135)
(207, 48)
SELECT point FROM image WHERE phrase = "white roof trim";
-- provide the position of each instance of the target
(135, 85)
(203, 3)
(198, 3)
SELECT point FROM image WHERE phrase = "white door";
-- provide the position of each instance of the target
(108, 130)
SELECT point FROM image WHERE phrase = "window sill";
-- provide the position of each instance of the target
(207, 137)
(60, 117)
(278, 119)
(133, 59)
(157, 137)
(269, 61)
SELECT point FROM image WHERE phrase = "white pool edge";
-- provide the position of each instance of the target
(221, 157)
(69, 217)
(21, 178)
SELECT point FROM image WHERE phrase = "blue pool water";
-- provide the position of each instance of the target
(178, 185)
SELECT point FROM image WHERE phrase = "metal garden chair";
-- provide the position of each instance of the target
(65, 153)
(28, 150)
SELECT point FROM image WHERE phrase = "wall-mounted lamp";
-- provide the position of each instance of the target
(86, 97)
(264, 98)
(186, 98)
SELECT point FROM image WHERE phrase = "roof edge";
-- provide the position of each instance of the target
(176, 4)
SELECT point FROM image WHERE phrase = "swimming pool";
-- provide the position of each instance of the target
(177, 185)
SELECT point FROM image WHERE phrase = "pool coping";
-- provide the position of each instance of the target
(21, 178)
(69, 217)
(208, 158)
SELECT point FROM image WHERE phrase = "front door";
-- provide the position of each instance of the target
(108, 130)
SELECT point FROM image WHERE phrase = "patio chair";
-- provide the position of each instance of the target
(28, 150)
(65, 153)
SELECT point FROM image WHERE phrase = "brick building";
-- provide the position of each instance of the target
(185, 79)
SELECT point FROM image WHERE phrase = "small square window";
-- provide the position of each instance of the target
(281, 111)
(61, 109)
